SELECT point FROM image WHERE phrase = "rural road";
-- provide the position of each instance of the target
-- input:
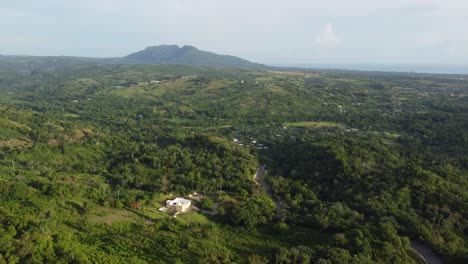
(260, 179)
(427, 254)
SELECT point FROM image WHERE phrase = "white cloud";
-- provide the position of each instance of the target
(327, 36)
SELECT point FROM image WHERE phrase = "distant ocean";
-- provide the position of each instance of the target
(414, 68)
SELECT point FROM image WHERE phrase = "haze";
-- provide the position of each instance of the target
(267, 31)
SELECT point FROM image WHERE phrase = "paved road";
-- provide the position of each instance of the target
(260, 179)
(426, 253)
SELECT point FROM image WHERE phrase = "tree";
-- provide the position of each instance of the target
(207, 203)
(256, 259)
(256, 210)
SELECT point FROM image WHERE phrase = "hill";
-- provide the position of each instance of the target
(187, 55)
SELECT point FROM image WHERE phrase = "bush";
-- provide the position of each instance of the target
(281, 228)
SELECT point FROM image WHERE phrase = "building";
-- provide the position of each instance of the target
(179, 204)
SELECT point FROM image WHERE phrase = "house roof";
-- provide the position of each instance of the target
(181, 201)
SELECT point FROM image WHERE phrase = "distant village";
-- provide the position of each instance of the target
(158, 81)
(253, 143)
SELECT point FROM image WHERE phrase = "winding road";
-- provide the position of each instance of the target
(426, 253)
(260, 179)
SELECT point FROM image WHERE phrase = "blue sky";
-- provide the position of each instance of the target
(266, 31)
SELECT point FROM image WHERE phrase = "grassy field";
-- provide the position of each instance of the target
(150, 90)
(71, 115)
(110, 216)
(15, 142)
(193, 218)
(12, 124)
(7, 96)
(316, 124)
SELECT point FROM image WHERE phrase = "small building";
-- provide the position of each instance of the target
(179, 204)
(196, 196)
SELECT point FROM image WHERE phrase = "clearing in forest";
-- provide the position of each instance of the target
(317, 124)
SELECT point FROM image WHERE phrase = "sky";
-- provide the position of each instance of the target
(265, 31)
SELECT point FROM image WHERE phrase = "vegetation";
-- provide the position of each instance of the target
(358, 164)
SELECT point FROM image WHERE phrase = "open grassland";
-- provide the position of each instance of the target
(314, 124)
(111, 216)
(152, 89)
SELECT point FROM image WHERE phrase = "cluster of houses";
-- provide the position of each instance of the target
(352, 130)
(158, 81)
(253, 142)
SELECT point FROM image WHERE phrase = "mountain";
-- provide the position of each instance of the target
(164, 54)
(187, 55)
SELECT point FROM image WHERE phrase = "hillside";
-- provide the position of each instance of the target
(187, 55)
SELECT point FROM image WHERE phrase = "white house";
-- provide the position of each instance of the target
(179, 204)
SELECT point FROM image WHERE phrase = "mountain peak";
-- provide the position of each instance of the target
(189, 47)
(186, 55)
(174, 46)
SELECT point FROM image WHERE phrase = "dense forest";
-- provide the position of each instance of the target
(358, 164)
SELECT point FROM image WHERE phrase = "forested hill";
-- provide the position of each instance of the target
(187, 55)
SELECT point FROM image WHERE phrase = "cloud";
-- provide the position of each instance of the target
(327, 36)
